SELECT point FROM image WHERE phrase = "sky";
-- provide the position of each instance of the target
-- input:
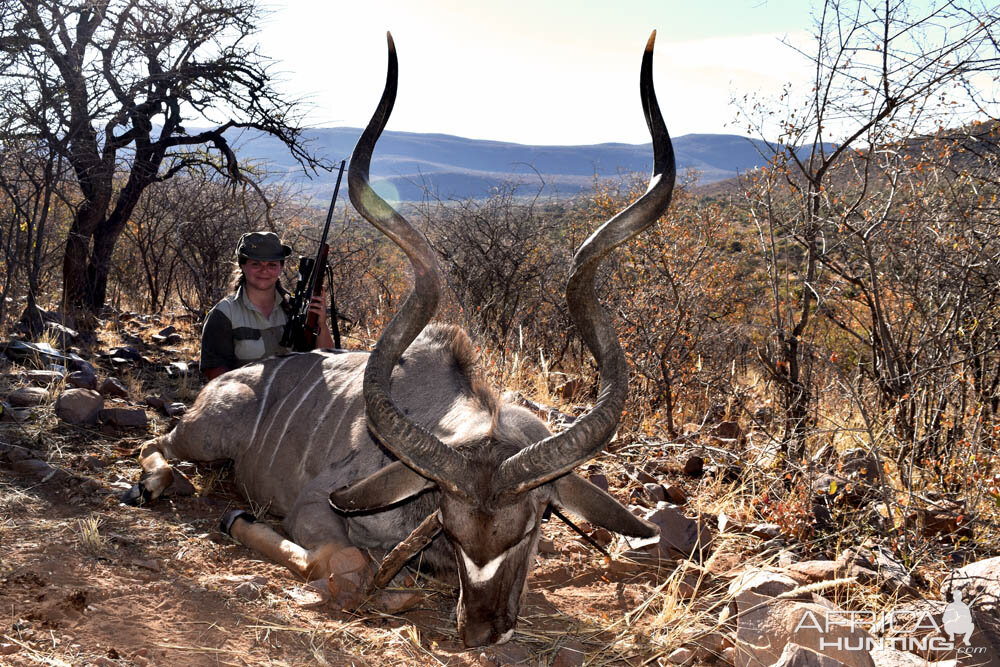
(550, 72)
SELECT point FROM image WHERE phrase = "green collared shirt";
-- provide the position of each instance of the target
(237, 333)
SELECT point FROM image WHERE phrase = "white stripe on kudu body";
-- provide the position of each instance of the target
(291, 413)
(263, 400)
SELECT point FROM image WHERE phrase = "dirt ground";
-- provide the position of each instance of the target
(85, 580)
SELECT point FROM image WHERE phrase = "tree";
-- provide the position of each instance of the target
(109, 86)
(884, 73)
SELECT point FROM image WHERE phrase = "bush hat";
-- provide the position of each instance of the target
(262, 246)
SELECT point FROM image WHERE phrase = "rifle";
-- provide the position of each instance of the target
(303, 327)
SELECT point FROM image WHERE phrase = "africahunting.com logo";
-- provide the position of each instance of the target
(903, 630)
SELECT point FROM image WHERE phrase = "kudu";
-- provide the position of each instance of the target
(407, 435)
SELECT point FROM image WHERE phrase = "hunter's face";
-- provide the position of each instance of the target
(261, 275)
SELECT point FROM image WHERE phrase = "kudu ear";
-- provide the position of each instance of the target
(591, 503)
(390, 485)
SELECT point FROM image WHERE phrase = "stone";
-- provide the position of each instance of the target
(112, 386)
(644, 477)
(175, 409)
(63, 335)
(156, 402)
(124, 417)
(79, 406)
(44, 377)
(679, 536)
(123, 353)
(800, 656)
(681, 656)
(978, 584)
(178, 369)
(600, 481)
(82, 380)
(655, 491)
(9, 413)
(765, 626)
(727, 431)
(27, 397)
(169, 339)
(675, 494)
(694, 466)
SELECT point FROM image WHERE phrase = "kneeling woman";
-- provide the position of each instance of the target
(247, 326)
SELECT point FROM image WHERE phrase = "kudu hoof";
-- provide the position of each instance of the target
(351, 577)
(229, 518)
(136, 496)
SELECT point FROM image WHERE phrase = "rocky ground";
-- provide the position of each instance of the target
(85, 580)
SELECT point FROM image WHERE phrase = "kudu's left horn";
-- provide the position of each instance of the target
(558, 454)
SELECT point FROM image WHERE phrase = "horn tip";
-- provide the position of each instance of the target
(388, 37)
(650, 41)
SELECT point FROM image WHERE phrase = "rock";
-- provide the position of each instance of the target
(156, 402)
(694, 466)
(63, 335)
(123, 353)
(9, 413)
(727, 431)
(250, 590)
(82, 380)
(124, 417)
(168, 339)
(675, 494)
(175, 409)
(932, 631)
(178, 369)
(79, 406)
(768, 583)
(800, 656)
(27, 397)
(681, 656)
(644, 477)
(602, 536)
(679, 536)
(978, 584)
(600, 481)
(166, 331)
(765, 626)
(112, 386)
(894, 576)
(44, 377)
(655, 491)
(765, 531)
(546, 546)
(569, 656)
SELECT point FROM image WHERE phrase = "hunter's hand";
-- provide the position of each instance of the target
(318, 306)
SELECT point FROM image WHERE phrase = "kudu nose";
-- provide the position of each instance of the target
(486, 634)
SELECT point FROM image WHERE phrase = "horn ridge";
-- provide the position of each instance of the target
(411, 443)
(556, 455)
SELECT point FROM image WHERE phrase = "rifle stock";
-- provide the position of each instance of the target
(303, 326)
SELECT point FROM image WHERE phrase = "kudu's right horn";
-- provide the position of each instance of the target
(413, 444)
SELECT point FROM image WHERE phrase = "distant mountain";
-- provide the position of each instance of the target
(407, 164)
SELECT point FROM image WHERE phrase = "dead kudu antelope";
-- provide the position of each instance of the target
(407, 436)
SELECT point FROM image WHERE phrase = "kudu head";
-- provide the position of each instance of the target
(493, 492)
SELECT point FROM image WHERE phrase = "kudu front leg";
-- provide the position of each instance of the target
(157, 475)
(346, 568)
